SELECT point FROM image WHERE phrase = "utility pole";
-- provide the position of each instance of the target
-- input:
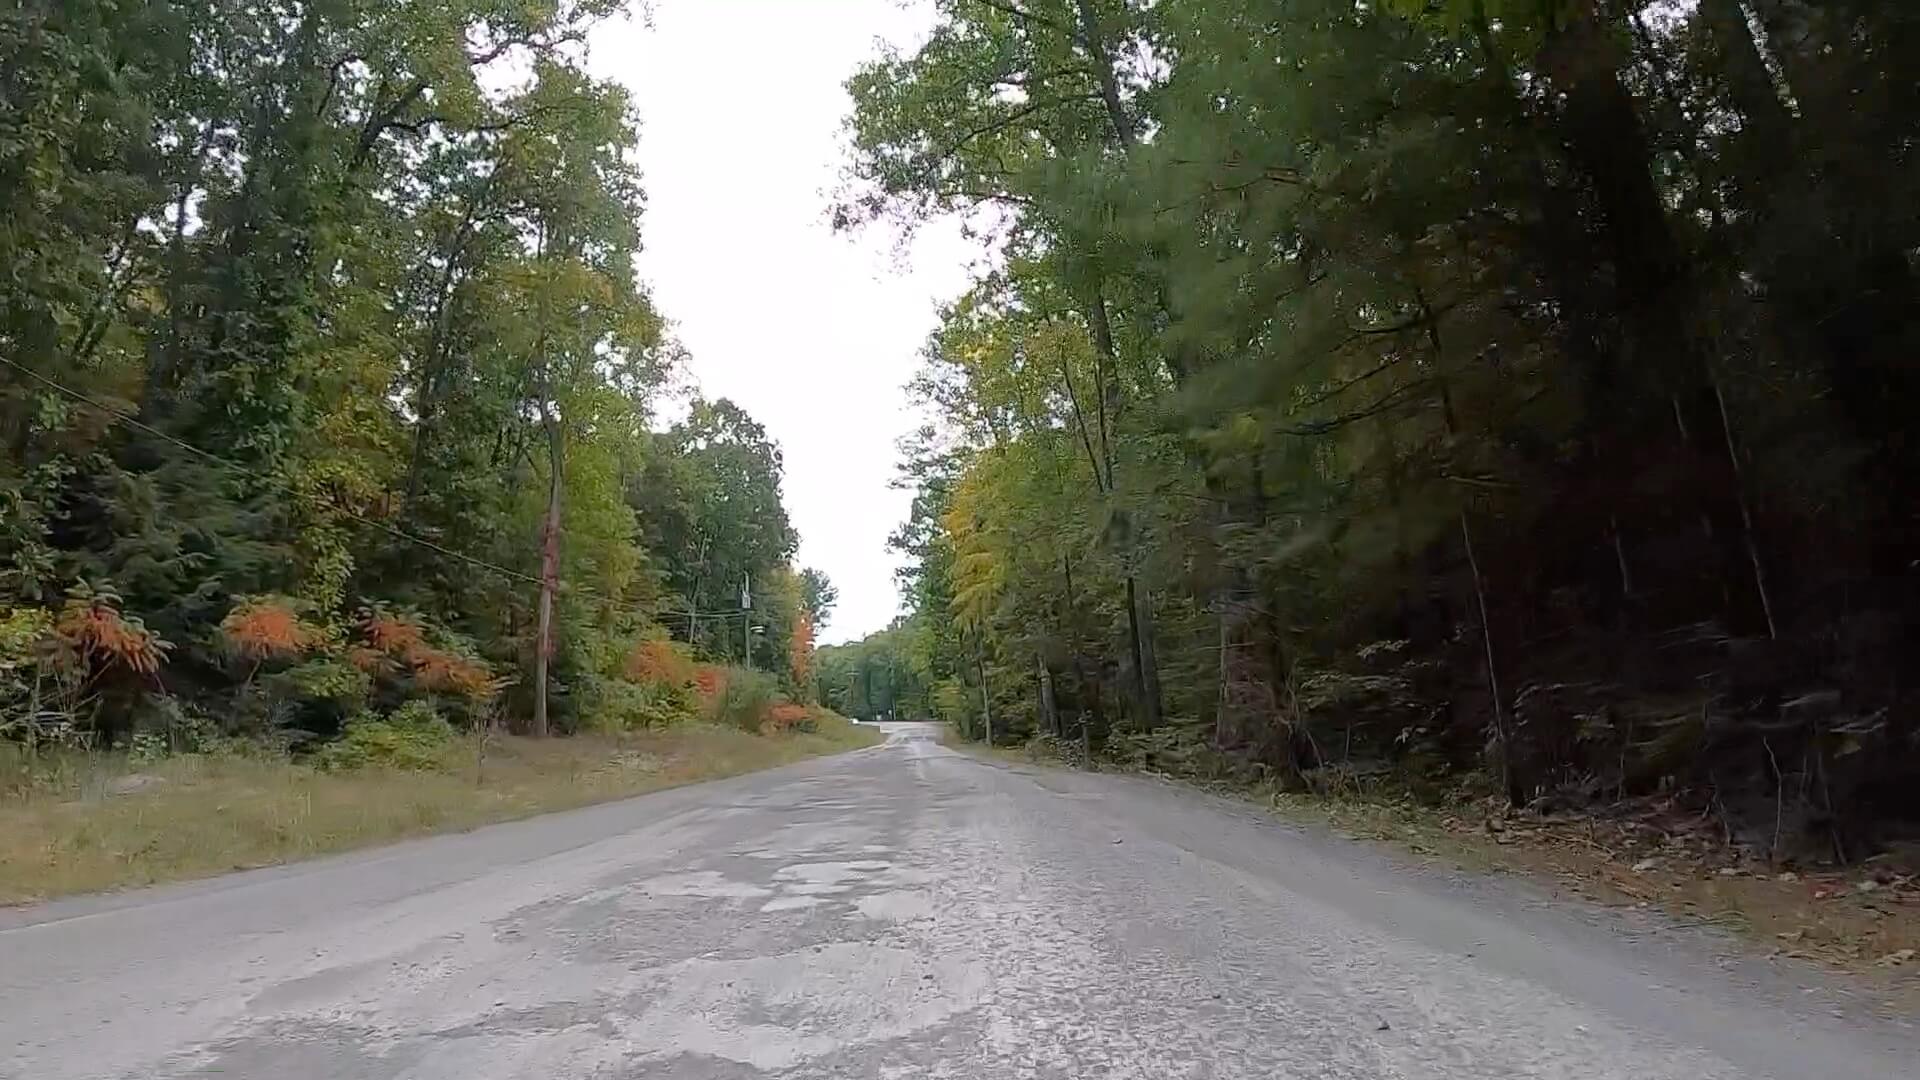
(549, 569)
(746, 621)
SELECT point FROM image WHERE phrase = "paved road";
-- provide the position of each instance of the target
(906, 912)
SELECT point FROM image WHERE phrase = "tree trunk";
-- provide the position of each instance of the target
(1146, 671)
(1608, 145)
(1145, 660)
(1049, 715)
(986, 698)
(1502, 731)
(1746, 515)
(1102, 58)
(1222, 735)
(1749, 82)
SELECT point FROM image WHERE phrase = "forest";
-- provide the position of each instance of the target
(330, 402)
(1474, 395)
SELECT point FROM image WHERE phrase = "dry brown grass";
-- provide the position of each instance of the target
(1864, 919)
(66, 833)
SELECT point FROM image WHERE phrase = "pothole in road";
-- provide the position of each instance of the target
(774, 1012)
(895, 906)
(831, 873)
(708, 883)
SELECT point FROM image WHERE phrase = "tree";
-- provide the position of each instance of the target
(818, 596)
(1427, 385)
(331, 314)
(711, 501)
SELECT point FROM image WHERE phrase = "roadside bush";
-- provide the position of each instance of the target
(709, 682)
(407, 654)
(413, 737)
(659, 661)
(615, 705)
(41, 700)
(790, 717)
(317, 695)
(745, 699)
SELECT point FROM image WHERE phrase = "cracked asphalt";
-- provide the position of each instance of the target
(902, 911)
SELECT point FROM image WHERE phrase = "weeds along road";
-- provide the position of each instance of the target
(902, 911)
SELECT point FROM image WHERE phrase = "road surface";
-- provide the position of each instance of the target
(902, 911)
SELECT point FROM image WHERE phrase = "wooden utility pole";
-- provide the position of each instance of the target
(549, 570)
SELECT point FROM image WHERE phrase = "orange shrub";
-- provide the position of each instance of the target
(263, 628)
(711, 681)
(371, 661)
(787, 717)
(91, 626)
(394, 634)
(401, 640)
(448, 673)
(656, 660)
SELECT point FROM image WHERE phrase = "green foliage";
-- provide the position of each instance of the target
(413, 737)
(368, 314)
(613, 705)
(818, 595)
(1434, 387)
(746, 700)
(329, 680)
(878, 677)
(710, 503)
(41, 700)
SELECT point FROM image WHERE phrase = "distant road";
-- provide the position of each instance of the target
(898, 912)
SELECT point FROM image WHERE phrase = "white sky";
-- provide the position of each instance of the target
(741, 105)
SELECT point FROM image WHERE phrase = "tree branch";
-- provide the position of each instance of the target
(1005, 8)
(333, 81)
(1080, 419)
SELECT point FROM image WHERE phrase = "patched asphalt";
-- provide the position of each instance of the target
(900, 912)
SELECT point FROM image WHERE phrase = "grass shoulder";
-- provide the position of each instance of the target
(92, 823)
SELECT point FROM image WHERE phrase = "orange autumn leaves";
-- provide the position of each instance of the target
(92, 630)
(262, 629)
(664, 663)
(788, 717)
(403, 641)
(658, 660)
(271, 628)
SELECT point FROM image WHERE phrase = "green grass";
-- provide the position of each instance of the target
(63, 832)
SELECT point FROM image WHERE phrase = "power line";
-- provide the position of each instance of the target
(135, 423)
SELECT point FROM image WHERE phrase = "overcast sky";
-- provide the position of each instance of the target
(814, 333)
